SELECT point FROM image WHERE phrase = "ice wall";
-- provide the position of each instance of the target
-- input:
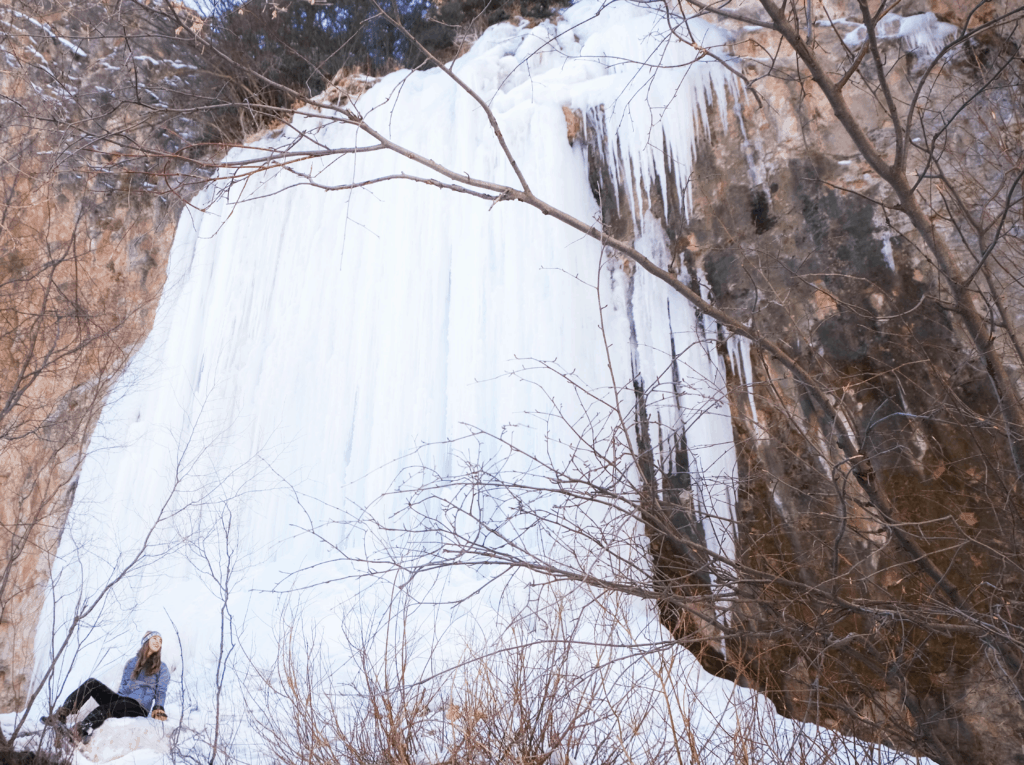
(314, 347)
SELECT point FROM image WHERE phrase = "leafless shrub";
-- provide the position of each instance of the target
(547, 687)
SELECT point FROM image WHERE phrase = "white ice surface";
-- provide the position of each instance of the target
(920, 32)
(311, 346)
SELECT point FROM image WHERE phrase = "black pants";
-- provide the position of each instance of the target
(110, 704)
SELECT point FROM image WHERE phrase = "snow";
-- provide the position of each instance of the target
(75, 50)
(129, 741)
(318, 356)
(163, 62)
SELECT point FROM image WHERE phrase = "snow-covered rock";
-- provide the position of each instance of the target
(116, 739)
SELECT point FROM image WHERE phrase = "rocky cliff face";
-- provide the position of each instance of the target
(86, 224)
(902, 628)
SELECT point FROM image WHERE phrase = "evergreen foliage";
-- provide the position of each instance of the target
(271, 53)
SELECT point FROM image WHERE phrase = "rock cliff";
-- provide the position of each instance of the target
(901, 625)
(87, 132)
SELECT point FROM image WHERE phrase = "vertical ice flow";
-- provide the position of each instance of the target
(310, 344)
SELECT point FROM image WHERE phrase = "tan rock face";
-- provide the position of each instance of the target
(901, 624)
(84, 235)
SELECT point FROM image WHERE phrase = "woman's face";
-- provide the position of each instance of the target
(154, 643)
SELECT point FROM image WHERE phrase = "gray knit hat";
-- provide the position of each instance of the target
(151, 634)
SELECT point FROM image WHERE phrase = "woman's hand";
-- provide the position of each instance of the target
(158, 713)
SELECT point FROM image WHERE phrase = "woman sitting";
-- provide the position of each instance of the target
(143, 682)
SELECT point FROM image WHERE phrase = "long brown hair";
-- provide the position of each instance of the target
(146, 661)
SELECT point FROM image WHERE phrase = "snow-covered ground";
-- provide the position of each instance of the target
(317, 355)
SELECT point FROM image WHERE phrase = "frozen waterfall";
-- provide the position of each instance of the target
(328, 367)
